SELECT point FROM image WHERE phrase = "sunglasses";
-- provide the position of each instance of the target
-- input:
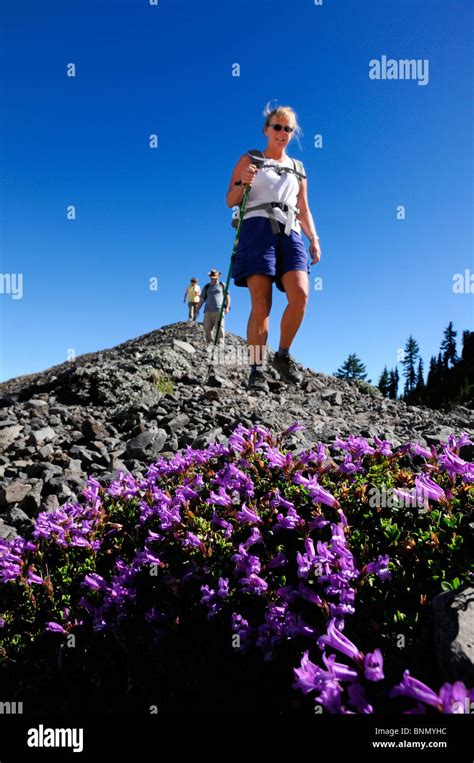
(279, 127)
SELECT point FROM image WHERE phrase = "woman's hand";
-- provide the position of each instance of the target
(315, 250)
(248, 175)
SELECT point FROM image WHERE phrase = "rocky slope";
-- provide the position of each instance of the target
(119, 409)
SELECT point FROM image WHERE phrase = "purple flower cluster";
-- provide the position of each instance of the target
(70, 525)
(12, 558)
(278, 555)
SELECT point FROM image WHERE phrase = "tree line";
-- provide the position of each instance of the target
(450, 378)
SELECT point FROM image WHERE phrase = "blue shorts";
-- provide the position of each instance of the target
(272, 254)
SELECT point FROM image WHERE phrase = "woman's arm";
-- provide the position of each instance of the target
(244, 171)
(307, 223)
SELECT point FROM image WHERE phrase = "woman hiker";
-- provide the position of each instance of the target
(192, 294)
(271, 247)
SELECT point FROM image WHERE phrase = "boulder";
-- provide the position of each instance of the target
(8, 435)
(14, 493)
(454, 634)
(147, 444)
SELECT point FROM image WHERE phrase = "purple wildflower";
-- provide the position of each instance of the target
(253, 584)
(456, 444)
(254, 537)
(55, 628)
(452, 463)
(373, 666)
(426, 488)
(308, 675)
(411, 687)
(290, 522)
(380, 567)
(219, 522)
(336, 640)
(247, 515)
(278, 561)
(338, 670)
(384, 446)
(296, 427)
(455, 698)
(33, 578)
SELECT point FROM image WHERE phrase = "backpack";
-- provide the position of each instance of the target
(259, 159)
(204, 291)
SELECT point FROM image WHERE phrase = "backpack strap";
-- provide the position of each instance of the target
(204, 293)
(298, 169)
(257, 156)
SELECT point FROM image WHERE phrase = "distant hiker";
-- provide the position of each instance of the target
(271, 247)
(213, 295)
(192, 294)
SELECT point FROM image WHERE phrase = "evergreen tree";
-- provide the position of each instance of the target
(384, 382)
(411, 354)
(352, 368)
(393, 384)
(420, 384)
(448, 345)
(432, 372)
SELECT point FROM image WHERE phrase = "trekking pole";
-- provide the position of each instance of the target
(234, 250)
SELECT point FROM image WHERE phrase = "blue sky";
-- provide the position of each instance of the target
(144, 213)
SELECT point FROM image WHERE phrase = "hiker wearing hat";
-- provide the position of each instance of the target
(192, 294)
(271, 248)
(213, 296)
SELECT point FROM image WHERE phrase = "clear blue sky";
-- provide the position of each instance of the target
(144, 213)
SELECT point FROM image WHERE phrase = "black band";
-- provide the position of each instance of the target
(238, 182)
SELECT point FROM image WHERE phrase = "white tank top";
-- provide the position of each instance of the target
(270, 186)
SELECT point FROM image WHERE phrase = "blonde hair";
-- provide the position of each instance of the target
(283, 111)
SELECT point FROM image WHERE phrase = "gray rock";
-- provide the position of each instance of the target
(436, 438)
(332, 396)
(147, 444)
(32, 501)
(94, 429)
(206, 438)
(13, 493)
(50, 502)
(61, 488)
(8, 435)
(185, 346)
(84, 454)
(45, 434)
(454, 634)
(36, 404)
(7, 423)
(174, 423)
(75, 465)
(7, 532)
(50, 472)
(46, 451)
(18, 518)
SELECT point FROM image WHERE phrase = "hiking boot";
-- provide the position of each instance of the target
(257, 379)
(286, 366)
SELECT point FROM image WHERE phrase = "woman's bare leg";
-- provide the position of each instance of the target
(296, 284)
(260, 287)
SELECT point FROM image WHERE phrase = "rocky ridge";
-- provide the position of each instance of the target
(119, 409)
